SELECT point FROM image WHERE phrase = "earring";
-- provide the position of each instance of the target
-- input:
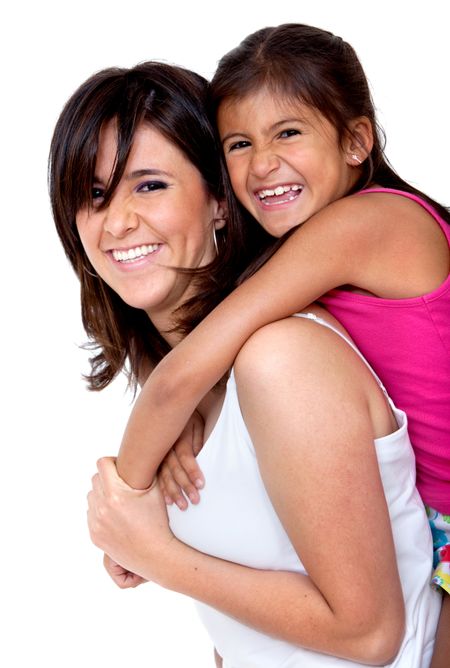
(357, 158)
(215, 239)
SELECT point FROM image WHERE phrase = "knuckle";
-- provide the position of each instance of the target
(173, 489)
(187, 458)
(177, 470)
(171, 456)
(166, 476)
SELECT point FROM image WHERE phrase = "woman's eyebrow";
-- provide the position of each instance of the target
(138, 173)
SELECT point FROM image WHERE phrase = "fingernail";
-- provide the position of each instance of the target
(199, 483)
(168, 500)
(181, 503)
(193, 497)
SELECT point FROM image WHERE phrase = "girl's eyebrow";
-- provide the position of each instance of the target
(275, 126)
(295, 119)
(234, 133)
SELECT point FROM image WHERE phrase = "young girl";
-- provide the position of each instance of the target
(299, 134)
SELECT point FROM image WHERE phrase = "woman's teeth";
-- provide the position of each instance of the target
(133, 253)
(279, 190)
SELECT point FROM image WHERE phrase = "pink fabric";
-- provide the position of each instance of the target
(407, 341)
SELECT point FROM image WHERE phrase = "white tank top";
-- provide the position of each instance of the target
(236, 521)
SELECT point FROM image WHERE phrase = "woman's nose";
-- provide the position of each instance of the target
(263, 162)
(119, 218)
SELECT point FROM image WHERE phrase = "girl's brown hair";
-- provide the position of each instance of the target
(307, 64)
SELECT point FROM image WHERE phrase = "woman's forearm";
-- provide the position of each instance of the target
(363, 622)
(283, 604)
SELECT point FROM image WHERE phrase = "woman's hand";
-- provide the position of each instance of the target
(179, 474)
(123, 578)
(129, 525)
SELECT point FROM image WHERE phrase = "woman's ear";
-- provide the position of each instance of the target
(359, 141)
(220, 218)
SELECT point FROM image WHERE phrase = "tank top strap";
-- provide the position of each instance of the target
(321, 321)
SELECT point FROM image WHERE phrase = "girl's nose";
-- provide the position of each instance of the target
(263, 162)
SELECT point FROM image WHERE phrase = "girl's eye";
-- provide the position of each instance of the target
(289, 133)
(150, 186)
(243, 143)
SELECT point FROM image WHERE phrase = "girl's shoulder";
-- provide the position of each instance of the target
(393, 245)
(380, 205)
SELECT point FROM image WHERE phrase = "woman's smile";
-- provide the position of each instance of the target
(135, 258)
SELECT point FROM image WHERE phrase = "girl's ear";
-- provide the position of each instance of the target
(220, 218)
(359, 141)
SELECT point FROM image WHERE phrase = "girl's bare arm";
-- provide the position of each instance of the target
(333, 248)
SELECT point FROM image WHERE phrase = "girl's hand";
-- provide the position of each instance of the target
(180, 477)
(123, 578)
(129, 525)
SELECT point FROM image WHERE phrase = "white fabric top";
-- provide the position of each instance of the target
(236, 521)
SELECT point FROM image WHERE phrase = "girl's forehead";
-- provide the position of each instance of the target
(268, 97)
(265, 106)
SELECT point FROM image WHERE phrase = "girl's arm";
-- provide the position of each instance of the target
(323, 479)
(329, 250)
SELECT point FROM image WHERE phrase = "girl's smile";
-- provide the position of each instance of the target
(284, 159)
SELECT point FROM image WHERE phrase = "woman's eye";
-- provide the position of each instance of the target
(289, 133)
(243, 143)
(150, 186)
(97, 193)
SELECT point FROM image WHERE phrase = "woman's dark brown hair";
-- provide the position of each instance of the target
(172, 100)
(319, 69)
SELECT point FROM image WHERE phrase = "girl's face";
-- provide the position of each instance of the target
(284, 159)
(160, 216)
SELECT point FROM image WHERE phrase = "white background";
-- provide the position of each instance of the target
(59, 608)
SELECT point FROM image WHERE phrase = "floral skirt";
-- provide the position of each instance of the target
(440, 528)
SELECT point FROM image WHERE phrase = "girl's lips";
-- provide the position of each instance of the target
(277, 199)
(280, 189)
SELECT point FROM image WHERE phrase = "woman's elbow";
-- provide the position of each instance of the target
(381, 641)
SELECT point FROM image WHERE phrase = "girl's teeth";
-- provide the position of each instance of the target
(133, 253)
(279, 190)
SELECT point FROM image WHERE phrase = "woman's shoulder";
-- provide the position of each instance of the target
(295, 348)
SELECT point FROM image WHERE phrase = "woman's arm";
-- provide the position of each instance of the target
(309, 264)
(314, 443)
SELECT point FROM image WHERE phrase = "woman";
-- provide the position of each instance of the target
(298, 575)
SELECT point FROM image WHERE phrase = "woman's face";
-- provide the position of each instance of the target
(284, 159)
(160, 216)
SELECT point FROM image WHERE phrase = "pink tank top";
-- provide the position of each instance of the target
(407, 341)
